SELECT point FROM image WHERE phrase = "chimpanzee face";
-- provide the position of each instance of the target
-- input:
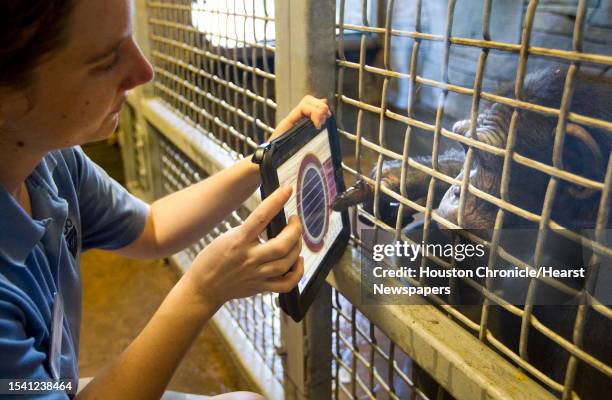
(527, 185)
(585, 152)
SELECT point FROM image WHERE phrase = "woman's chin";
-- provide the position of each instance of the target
(106, 130)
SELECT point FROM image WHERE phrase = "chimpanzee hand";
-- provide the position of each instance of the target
(416, 186)
(311, 107)
(237, 265)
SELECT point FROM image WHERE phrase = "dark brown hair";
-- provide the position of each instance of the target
(30, 30)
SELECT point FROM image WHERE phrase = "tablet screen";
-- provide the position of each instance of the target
(310, 173)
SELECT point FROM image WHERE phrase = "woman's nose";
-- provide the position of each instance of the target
(140, 71)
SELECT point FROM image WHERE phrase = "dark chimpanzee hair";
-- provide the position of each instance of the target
(29, 31)
(585, 153)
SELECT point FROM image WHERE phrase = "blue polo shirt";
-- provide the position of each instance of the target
(75, 206)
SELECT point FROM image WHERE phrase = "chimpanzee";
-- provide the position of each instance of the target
(585, 152)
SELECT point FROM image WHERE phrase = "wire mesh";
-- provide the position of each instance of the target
(429, 67)
(366, 364)
(214, 64)
(257, 317)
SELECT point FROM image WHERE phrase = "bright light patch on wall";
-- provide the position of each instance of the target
(234, 23)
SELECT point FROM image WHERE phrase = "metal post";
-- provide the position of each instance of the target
(305, 51)
(142, 143)
(305, 64)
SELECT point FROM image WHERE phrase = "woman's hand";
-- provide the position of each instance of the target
(311, 107)
(237, 265)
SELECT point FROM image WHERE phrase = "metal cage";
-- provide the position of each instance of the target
(419, 95)
(214, 64)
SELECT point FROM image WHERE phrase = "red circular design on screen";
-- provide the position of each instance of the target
(312, 202)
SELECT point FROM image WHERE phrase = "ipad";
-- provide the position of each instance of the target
(307, 159)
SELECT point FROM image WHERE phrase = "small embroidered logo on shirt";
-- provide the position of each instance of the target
(70, 233)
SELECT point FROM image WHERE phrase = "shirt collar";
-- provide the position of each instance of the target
(19, 232)
(50, 160)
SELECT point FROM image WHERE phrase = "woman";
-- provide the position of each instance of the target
(65, 68)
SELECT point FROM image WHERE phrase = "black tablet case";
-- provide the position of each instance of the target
(270, 156)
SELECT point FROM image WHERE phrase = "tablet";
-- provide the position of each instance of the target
(308, 159)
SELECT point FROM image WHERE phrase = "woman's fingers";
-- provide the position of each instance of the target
(279, 246)
(280, 266)
(315, 109)
(257, 221)
(285, 283)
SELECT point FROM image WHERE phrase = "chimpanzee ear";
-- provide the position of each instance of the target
(582, 156)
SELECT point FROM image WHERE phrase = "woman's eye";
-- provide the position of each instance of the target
(111, 65)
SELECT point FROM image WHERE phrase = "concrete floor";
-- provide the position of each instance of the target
(119, 297)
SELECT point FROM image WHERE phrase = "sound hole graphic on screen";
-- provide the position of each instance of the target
(312, 201)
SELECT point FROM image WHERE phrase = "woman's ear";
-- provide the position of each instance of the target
(582, 155)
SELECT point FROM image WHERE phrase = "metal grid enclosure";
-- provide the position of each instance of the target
(214, 69)
(431, 68)
(257, 317)
(214, 64)
(366, 363)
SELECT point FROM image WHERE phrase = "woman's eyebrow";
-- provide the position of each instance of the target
(105, 53)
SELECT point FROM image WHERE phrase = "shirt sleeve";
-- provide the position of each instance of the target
(111, 217)
(20, 359)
